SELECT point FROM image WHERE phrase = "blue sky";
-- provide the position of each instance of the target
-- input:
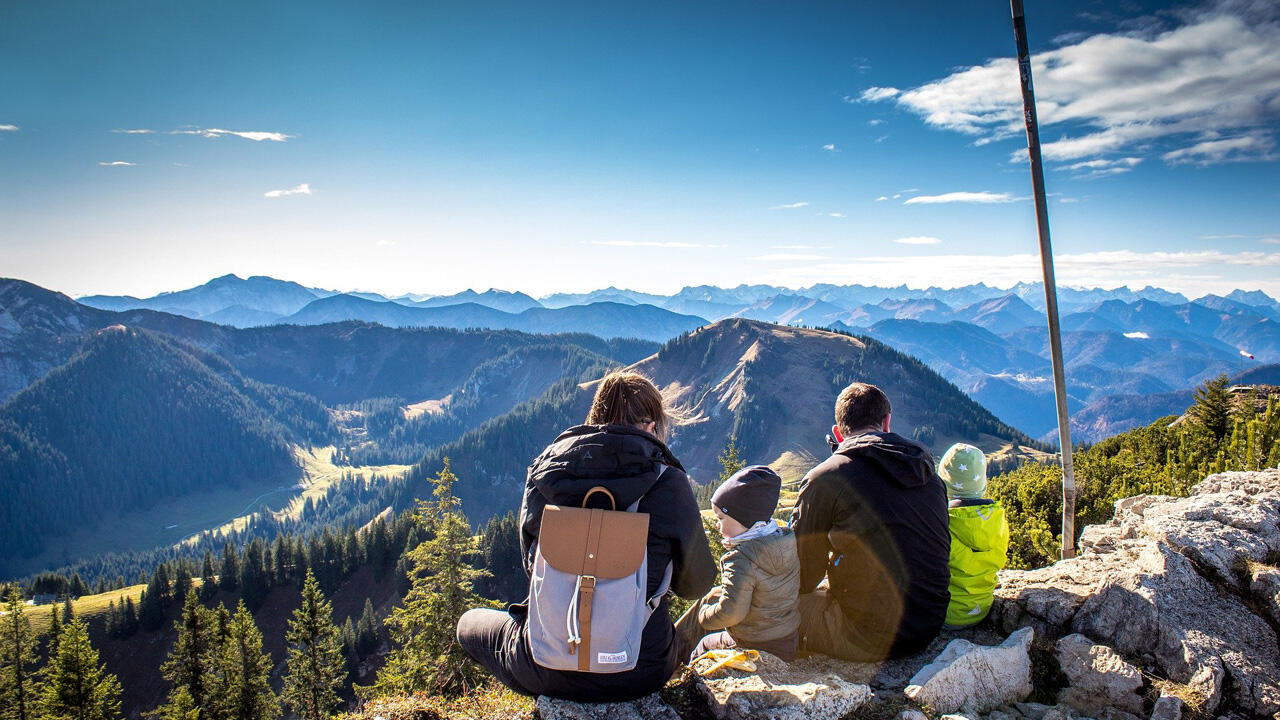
(432, 146)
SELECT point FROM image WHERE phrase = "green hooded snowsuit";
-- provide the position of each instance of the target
(979, 548)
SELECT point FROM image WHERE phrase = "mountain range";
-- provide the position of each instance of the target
(989, 341)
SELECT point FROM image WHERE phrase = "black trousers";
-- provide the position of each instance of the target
(497, 641)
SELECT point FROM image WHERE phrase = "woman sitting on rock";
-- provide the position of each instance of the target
(619, 449)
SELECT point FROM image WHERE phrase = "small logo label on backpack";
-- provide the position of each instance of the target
(611, 658)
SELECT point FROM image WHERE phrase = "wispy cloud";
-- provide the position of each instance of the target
(918, 240)
(790, 206)
(9, 128)
(876, 94)
(830, 147)
(875, 122)
(833, 214)
(800, 247)
(254, 135)
(650, 243)
(984, 197)
(882, 198)
(789, 257)
(133, 131)
(303, 189)
(117, 163)
(1137, 335)
(1203, 87)
(1245, 148)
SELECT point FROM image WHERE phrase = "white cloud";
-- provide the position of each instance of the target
(788, 257)
(384, 243)
(134, 131)
(882, 198)
(833, 214)
(303, 189)
(830, 147)
(254, 135)
(918, 240)
(800, 247)
(875, 121)
(1068, 200)
(876, 94)
(1103, 163)
(9, 128)
(1213, 76)
(1245, 148)
(963, 197)
(790, 206)
(1137, 335)
(649, 243)
(117, 163)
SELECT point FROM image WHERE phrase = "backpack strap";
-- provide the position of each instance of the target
(613, 504)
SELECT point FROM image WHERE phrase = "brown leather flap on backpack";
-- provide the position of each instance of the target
(604, 543)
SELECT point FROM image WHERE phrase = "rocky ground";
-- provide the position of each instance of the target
(1170, 611)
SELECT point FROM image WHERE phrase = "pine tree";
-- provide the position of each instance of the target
(254, 582)
(1212, 408)
(187, 667)
(208, 580)
(18, 690)
(366, 630)
(229, 574)
(68, 610)
(427, 657)
(77, 685)
(182, 582)
(317, 669)
(55, 630)
(129, 620)
(730, 461)
(239, 689)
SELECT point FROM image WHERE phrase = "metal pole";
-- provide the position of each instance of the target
(1050, 285)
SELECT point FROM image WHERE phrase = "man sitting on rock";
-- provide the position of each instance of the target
(872, 520)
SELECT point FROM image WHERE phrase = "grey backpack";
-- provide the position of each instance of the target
(587, 600)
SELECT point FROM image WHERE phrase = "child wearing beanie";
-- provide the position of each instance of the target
(756, 604)
(979, 535)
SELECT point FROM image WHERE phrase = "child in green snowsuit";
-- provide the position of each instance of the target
(979, 535)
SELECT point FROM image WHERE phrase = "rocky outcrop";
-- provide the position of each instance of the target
(1177, 586)
(1099, 678)
(976, 678)
(806, 689)
(649, 707)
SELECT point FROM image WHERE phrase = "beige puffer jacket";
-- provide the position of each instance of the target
(758, 597)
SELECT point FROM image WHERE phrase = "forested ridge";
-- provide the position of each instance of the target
(78, 431)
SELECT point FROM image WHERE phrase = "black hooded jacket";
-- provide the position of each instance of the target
(632, 464)
(873, 519)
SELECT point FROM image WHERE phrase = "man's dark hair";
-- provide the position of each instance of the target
(861, 405)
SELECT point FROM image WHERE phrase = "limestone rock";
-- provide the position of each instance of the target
(1099, 678)
(976, 678)
(1161, 584)
(912, 715)
(649, 707)
(1167, 708)
(1264, 585)
(781, 691)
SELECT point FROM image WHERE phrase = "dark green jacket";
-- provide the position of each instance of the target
(758, 595)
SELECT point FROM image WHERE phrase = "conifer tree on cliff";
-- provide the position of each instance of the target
(427, 657)
(239, 688)
(188, 666)
(17, 661)
(317, 669)
(1212, 408)
(77, 685)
